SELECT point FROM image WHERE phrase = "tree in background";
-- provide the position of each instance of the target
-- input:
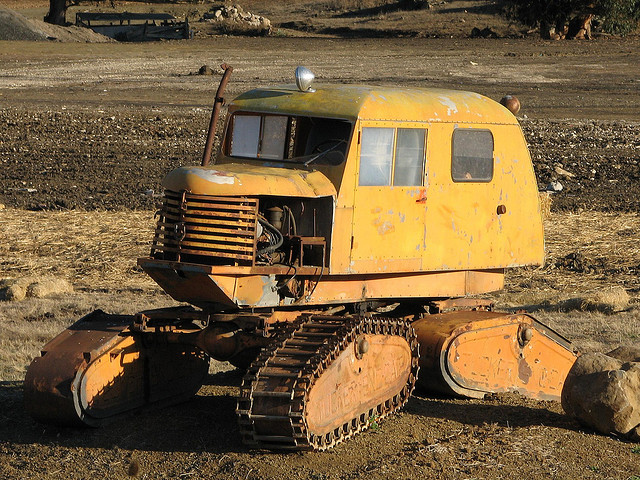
(615, 16)
(619, 16)
(58, 10)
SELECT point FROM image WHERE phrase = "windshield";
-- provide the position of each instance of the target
(293, 139)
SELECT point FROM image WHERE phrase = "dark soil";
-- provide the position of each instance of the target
(68, 159)
(597, 163)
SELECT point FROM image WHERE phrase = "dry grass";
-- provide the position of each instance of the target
(97, 251)
(546, 200)
(586, 253)
(609, 240)
(92, 250)
(349, 5)
(27, 325)
(592, 298)
(594, 331)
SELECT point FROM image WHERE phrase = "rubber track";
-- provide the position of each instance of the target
(291, 365)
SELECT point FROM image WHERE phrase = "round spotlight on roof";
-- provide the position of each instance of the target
(304, 78)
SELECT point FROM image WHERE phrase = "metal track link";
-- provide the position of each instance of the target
(271, 408)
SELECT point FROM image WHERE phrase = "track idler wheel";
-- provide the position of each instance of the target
(97, 369)
(472, 353)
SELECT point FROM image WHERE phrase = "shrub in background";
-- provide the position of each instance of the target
(615, 16)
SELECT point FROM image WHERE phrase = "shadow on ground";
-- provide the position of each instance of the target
(207, 423)
(186, 427)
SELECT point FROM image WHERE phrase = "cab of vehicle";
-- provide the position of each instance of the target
(430, 185)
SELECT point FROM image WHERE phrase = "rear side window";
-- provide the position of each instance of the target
(472, 155)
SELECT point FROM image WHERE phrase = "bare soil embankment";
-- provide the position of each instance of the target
(16, 27)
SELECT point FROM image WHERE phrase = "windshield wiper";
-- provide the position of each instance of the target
(324, 152)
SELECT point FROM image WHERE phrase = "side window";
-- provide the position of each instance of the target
(472, 155)
(392, 157)
(409, 166)
(376, 156)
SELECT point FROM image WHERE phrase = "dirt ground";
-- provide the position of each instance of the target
(88, 130)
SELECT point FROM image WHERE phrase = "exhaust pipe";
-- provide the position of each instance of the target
(217, 104)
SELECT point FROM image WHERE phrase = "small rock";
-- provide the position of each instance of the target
(134, 468)
(484, 33)
(205, 70)
(607, 300)
(561, 171)
(555, 187)
(38, 287)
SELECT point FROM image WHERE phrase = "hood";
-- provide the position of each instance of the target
(249, 180)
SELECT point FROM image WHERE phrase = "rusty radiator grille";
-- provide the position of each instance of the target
(206, 229)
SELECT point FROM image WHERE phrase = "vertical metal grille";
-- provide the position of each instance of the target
(206, 229)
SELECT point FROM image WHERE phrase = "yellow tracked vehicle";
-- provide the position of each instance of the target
(335, 247)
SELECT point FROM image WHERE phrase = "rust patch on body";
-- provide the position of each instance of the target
(524, 371)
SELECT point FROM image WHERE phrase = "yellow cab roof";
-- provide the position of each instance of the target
(353, 102)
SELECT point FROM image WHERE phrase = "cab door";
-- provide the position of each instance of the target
(482, 211)
(389, 198)
(463, 225)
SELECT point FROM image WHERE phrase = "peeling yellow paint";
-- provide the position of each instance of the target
(353, 102)
(251, 180)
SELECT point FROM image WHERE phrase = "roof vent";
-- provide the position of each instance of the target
(511, 103)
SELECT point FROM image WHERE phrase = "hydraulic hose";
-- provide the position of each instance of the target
(274, 233)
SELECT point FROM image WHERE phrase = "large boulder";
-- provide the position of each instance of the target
(603, 392)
